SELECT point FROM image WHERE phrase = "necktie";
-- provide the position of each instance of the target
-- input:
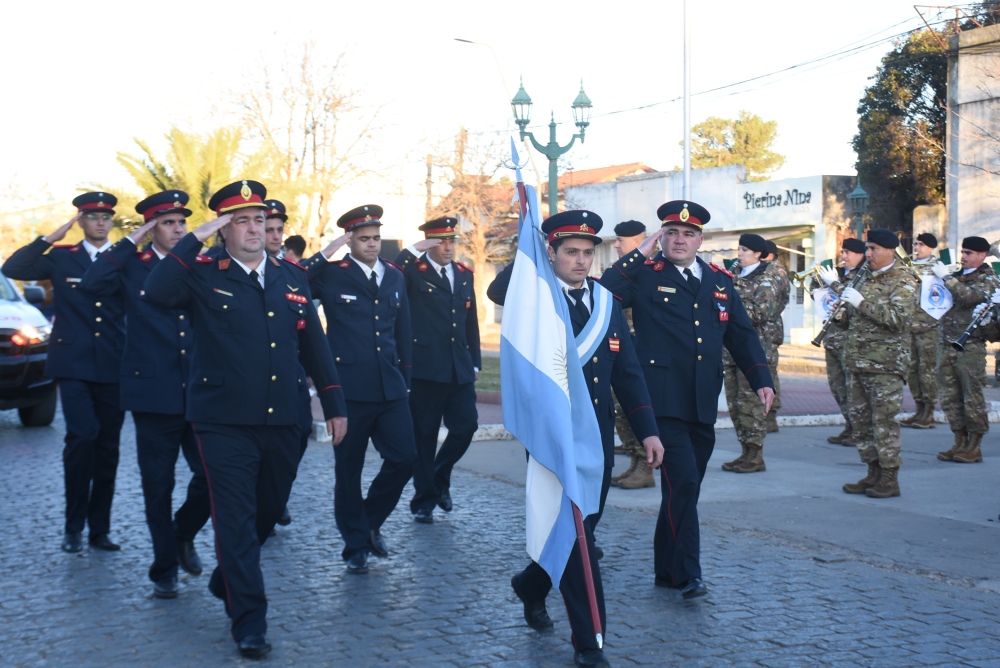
(373, 279)
(579, 295)
(693, 282)
(255, 276)
(444, 275)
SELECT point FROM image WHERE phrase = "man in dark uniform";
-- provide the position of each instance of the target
(84, 356)
(685, 311)
(446, 361)
(368, 329)
(154, 372)
(572, 237)
(254, 323)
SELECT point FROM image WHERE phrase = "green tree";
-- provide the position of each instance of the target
(747, 140)
(901, 131)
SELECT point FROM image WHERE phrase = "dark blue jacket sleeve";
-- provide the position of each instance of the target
(497, 292)
(168, 284)
(629, 385)
(103, 278)
(30, 263)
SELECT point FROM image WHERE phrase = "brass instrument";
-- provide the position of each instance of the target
(839, 305)
(800, 278)
(798, 252)
(918, 267)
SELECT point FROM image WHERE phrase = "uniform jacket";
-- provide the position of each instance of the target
(88, 333)
(760, 292)
(444, 324)
(613, 366)
(156, 363)
(679, 335)
(834, 339)
(368, 332)
(248, 341)
(775, 327)
(878, 331)
(967, 291)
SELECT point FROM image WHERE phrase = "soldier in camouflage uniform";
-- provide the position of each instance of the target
(923, 344)
(962, 374)
(776, 327)
(877, 350)
(852, 254)
(628, 236)
(758, 292)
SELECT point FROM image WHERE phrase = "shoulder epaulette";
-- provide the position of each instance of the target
(392, 264)
(293, 263)
(463, 267)
(145, 256)
(274, 261)
(72, 247)
(204, 258)
(716, 268)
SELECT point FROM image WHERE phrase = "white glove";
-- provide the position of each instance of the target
(996, 296)
(828, 275)
(976, 312)
(940, 269)
(852, 297)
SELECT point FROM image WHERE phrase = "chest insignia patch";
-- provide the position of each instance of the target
(614, 344)
(298, 299)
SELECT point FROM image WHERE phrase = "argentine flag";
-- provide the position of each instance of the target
(546, 404)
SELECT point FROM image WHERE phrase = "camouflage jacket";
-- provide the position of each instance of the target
(878, 331)
(834, 339)
(775, 328)
(922, 321)
(967, 290)
(758, 291)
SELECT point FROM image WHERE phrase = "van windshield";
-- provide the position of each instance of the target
(7, 292)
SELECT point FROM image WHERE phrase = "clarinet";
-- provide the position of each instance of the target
(984, 316)
(839, 305)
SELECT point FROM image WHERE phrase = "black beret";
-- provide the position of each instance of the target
(168, 201)
(977, 244)
(369, 214)
(754, 242)
(630, 228)
(772, 248)
(95, 201)
(576, 224)
(680, 212)
(928, 239)
(883, 238)
(440, 228)
(854, 245)
(276, 209)
(240, 195)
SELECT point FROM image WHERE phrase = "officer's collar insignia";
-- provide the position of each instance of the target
(658, 266)
(224, 264)
(291, 288)
(345, 264)
(245, 192)
(422, 266)
(146, 256)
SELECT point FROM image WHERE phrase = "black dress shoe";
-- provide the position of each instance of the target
(598, 552)
(591, 657)
(693, 589)
(166, 587)
(188, 558)
(102, 542)
(254, 646)
(72, 542)
(534, 611)
(285, 518)
(444, 502)
(379, 548)
(424, 516)
(357, 563)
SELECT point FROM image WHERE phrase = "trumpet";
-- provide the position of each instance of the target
(800, 278)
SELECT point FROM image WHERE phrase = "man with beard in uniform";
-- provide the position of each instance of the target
(85, 346)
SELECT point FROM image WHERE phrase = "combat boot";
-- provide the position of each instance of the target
(642, 475)
(754, 461)
(960, 441)
(843, 438)
(887, 485)
(925, 418)
(972, 452)
(908, 422)
(729, 466)
(631, 467)
(866, 483)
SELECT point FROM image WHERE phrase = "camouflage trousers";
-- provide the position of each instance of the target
(745, 408)
(961, 377)
(837, 376)
(630, 443)
(923, 367)
(874, 399)
(773, 366)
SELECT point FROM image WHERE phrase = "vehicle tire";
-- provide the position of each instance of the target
(41, 414)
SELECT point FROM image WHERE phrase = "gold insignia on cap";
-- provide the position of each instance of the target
(685, 214)
(178, 204)
(245, 192)
(584, 228)
(367, 217)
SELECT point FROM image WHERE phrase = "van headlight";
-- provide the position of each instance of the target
(30, 335)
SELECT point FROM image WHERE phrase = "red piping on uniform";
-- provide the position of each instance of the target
(179, 260)
(639, 409)
(755, 365)
(623, 273)
(670, 500)
(330, 387)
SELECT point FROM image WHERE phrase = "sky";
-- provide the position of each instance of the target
(83, 80)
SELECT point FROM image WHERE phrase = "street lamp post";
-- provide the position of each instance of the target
(859, 203)
(521, 104)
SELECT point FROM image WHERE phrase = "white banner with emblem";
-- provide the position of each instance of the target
(935, 298)
(823, 301)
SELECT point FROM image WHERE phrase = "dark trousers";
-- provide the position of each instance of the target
(687, 447)
(390, 428)
(535, 583)
(430, 402)
(90, 458)
(250, 470)
(158, 438)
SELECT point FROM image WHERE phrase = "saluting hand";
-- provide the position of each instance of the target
(338, 427)
(332, 247)
(766, 395)
(654, 451)
(426, 244)
(205, 231)
(138, 235)
(62, 230)
(648, 245)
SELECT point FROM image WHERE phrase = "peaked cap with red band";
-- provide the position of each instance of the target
(440, 228)
(683, 212)
(276, 209)
(95, 201)
(577, 224)
(239, 195)
(168, 201)
(369, 214)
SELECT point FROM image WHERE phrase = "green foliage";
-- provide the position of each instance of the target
(901, 132)
(717, 142)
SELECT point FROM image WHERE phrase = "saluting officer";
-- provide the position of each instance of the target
(572, 237)
(446, 361)
(685, 311)
(368, 329)
(154, 372)
(84, 356)
(254, 323)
